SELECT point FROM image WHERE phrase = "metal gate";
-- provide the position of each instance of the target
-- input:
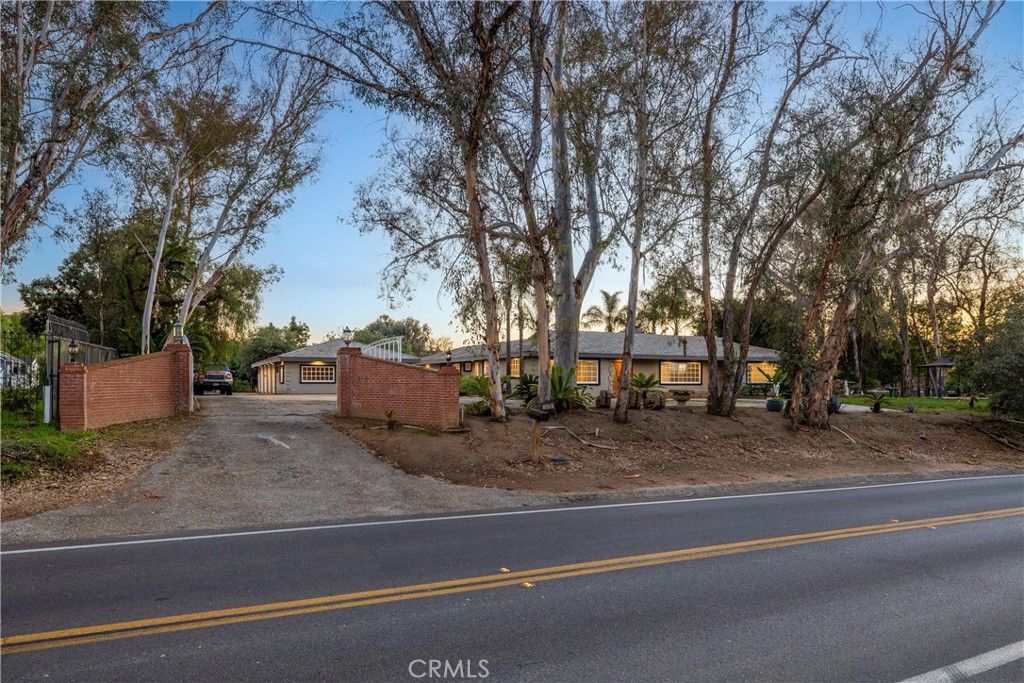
(30, 368)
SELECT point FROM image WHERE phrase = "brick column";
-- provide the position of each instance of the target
(449, 399)
(343, 373)
(73, 414)
(181, 377)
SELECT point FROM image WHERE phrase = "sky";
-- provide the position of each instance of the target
(331, 272)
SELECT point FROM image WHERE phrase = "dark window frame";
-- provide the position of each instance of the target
(334, 374)
(700, 373)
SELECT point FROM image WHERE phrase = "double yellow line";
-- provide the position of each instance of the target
(182, 622)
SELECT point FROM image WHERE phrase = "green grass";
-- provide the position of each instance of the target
(923, 404)
(28, 450)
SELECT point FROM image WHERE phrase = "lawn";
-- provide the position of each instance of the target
(30, 449)
(922, 403)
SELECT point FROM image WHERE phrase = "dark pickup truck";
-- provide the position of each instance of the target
(215, 378)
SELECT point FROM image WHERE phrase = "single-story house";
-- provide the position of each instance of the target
(680, 363)
(310, 370)
(18, 372)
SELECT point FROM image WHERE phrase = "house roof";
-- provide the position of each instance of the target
(324, 351)
(609, 345)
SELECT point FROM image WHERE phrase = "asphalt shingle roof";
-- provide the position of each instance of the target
(609, 345)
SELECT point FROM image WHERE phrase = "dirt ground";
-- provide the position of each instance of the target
(123, 453)
(685, 447)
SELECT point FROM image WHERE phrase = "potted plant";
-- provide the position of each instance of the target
(775, 400)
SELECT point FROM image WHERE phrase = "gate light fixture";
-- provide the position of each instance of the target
(346, 335)
(73, 350)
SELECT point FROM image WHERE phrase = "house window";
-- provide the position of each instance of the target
(280, 372)
(467, 366)
(514, 368)
(587, 371)
(761, 373)
(675, 372)
(313, 374)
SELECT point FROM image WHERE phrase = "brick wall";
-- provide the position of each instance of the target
(367, 387)
(126, 390)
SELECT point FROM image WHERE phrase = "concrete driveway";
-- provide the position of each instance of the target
(259, 460)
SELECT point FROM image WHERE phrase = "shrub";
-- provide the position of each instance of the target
(999, 367)
(474, 386)
(564, 393)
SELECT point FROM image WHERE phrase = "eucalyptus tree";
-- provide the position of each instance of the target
(439, 66)
(188, 126)
(760, 189)
(517, 136)
(927, 101)
(276, 150)
(68, 68)
(656, 111)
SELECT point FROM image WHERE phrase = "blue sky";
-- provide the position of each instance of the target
(331, 272)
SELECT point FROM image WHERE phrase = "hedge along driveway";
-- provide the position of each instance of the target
(256, 460)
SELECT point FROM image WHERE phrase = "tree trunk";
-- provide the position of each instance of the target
(855, 347)
(566, 336)
(820, 389)
(478, 238)
(154, 272)
(621, 413)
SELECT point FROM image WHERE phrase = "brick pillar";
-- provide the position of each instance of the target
(449, 398)
(343, 373)
(73, 399)
(182, 377)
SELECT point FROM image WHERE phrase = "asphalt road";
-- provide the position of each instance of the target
(862, 584)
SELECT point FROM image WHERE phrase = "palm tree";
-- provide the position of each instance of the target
(610, 314)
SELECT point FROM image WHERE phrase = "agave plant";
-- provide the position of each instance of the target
(564, 393)
(527, 388)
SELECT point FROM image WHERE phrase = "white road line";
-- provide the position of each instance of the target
(973, 666)
(482, 515)
(273, 440)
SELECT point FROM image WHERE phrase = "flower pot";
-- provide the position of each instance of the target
(775, 405)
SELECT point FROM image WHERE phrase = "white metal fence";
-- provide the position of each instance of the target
(386, 349)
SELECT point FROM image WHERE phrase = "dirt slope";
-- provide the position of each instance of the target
(681, 447)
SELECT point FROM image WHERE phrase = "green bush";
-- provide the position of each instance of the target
(998, 371)
(474, 386)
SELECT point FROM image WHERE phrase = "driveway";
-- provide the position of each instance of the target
(259, 460)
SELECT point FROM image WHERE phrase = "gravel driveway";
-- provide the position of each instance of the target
(259, 460)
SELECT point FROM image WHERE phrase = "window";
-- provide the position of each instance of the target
(467, 366)
(514, 367)
(316, 374)
(674, 372)
(760, 373)
(280, 372)
(587, 371)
